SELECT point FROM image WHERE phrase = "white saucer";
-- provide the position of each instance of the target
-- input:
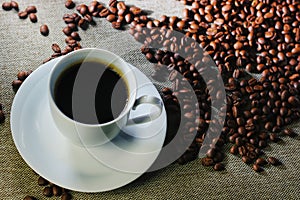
(52, 156)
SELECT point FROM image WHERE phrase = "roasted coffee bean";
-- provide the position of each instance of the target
(289, 132)
(42, 181)
(274, 161)
(246, 159)
(44, 30)
(48, 192)
(31, 9)
(128, 18)
(293, 100)
(113, 10)
(82, 9)
(219, 167)
(257, 168)
(75, 36)
(273, 137)
(88, 18)
(66, 196)
(7, 6)
(67, 31)
(211, 153)
(56, 190)
(116, 25)
(22, 14)
(56, 48)
(135, 10)
(260, 161)
(69, 4)
(83, 24)
(93, 7)
(207, 161)
(234, 150)
(2, 116)
(16, 85)
(111, 17)
(15, 5)
(112, 3)
(33, 17)
(22, 75)
(73, 26)
(121, 5)
(29, 198)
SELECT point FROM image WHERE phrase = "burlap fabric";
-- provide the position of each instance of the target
(22, 48)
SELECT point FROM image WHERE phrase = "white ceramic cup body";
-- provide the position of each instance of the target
(89, 135)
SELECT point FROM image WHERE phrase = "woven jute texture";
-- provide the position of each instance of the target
(22, 47)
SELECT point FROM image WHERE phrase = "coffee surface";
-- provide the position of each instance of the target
(107, 101)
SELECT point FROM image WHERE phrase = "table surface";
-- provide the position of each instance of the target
(22, 47)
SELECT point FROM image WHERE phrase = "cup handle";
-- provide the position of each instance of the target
(149, 117)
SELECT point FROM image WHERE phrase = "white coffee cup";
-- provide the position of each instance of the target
(89, 135)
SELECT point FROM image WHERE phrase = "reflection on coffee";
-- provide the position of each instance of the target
(108, 101)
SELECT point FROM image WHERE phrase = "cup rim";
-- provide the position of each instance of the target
(126, 109)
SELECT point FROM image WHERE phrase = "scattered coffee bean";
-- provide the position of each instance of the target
(89, 18)
(33, 17)
(42, 181)
(135, 10)
(261, 162)
(44, 30)
(7, 6)
(67, 31)
(234, 150)
(257, 168)
(73, 26)
(75, 36)
(16, 85)
(48, 192)
(69, 4)
(111, 17)
(246, 159)
(104, 13)
(116, 25)
(289, 132)
(273, 161)
(82, 9)
(83, 24)
(66, 196)
(207, 161)
(29, 198)
(219, 167)
(56, 48)
(15, 5)
(22, 14)
(31, 9)
(22, 75)
(56, 190)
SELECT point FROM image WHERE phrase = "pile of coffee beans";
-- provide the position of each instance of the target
(242, 37)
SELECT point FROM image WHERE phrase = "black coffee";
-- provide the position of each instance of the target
(91, 93)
